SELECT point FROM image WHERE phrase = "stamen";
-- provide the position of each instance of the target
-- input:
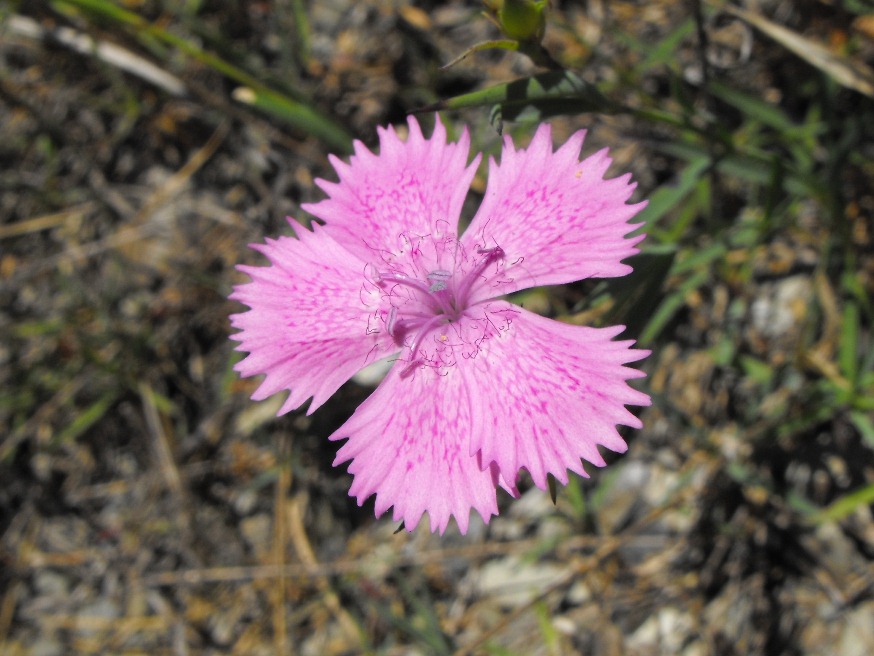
(437, 302)
(401, 279)
(420, 337)
(491, 255)
(439, 279)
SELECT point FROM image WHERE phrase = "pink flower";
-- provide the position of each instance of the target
(480, 388)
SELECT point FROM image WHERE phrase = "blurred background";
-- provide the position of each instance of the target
(147, 506)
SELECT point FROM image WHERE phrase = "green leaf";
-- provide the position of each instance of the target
(547, 627)
(670, 306)
(574, 495)
(845, 505)
(636, 295)
(542, 96)
(865, 426)
(667, 197)
(86, 419)
(753, 107)
(553, 488)
(498, 44)
(848, 358)
(756, 370)
(296, 113)
(663, 52)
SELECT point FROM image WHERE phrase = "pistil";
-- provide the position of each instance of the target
(492, 255)
(434, 299)
(441, 297)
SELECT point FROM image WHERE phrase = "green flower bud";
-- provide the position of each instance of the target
(522, 20)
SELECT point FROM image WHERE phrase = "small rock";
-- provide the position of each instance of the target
(46, 646)
(513, 582)
(778, 313)
(51, 584)
(244, 502)
(256, 531)
(623, 495)
(857, 637)
(665, 632)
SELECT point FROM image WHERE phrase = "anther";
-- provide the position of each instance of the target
(439, 280)
(491, 255)
(391, 324)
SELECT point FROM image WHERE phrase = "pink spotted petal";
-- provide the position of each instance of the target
(411, 187)
(309, 328)
(409, 445)
(549, 394)
(556, 218)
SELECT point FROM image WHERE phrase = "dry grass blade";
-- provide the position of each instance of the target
(306, 554)
(138, 225)
(22, 432)
(845, 71)
(283, 484)
(306, 571)
(608, 546)
(149, 507)
(7, 610)
(46, 221)
(164, 455)
(109, 53)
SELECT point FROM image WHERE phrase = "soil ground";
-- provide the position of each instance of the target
(147, 506)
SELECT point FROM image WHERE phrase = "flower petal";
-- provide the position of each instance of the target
(311, 325)
(549, 394)
(409, 445)
(411, 188)
(555, 217)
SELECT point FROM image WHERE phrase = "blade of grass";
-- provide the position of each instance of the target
(865, 425)
(301, 30)
(845, 71)
(671, 305)
(547, 628)
(551, 93)
(667, 197)
(424, 623)
(637, 294)
(753, 107)
(848, 358)
(663, 52)
(86, 419)
(844, 506)
(110, 53)
(293, 112)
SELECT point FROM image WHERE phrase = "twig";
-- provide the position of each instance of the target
(159, 439)
(306, 554)
(315, 569)
(61, 397)
(45, 221)
(138, 226)
(609, 545)
(283, 484)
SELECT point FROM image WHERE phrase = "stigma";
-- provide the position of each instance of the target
(431, 299)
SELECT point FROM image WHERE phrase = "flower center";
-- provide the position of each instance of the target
(427, 290)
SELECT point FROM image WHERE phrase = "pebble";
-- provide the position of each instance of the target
(256, 532)
(775, 314)
(46, 646)
(512, 581)
(665, 632)
(857, 637)
(51, 584)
